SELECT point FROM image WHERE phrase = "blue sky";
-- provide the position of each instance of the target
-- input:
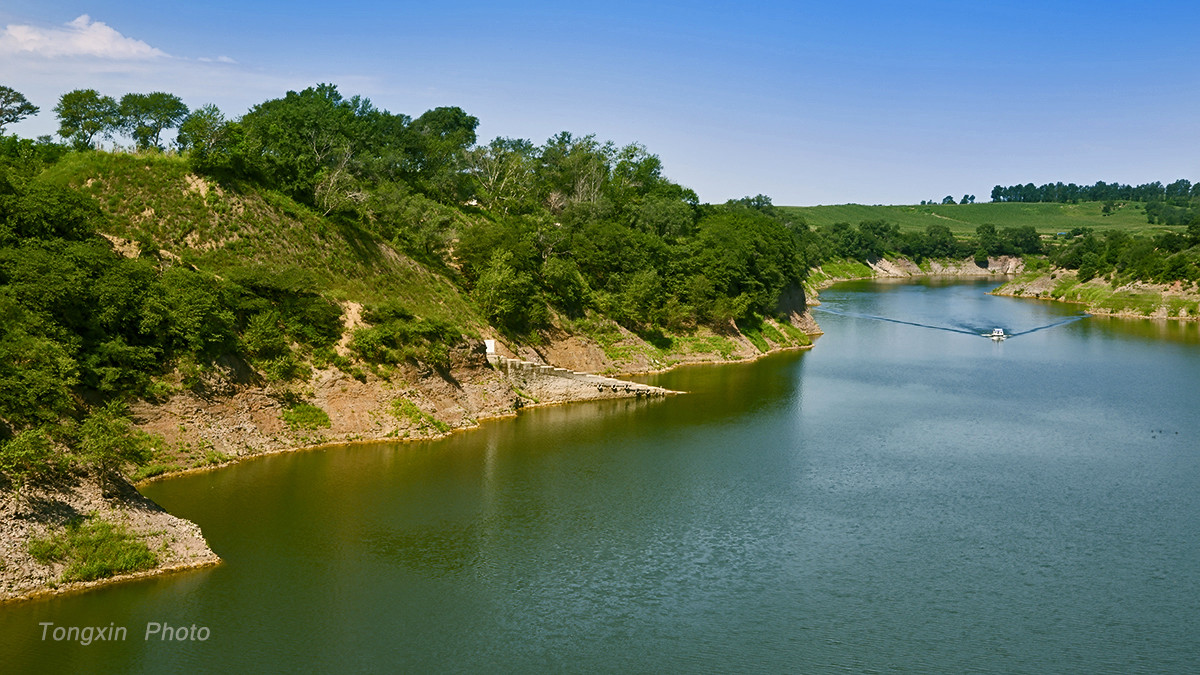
(810, 103)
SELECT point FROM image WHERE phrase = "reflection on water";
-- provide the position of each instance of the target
(897, 498)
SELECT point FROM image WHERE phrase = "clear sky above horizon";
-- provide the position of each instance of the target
(809, 103)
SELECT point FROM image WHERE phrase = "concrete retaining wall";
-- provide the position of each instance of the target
(537, 377)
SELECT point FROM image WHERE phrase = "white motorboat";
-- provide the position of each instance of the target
(997, 334)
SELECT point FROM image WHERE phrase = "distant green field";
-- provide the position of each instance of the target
(962, 219)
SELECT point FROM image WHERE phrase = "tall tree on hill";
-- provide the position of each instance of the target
(144, 116)
(204, 131)
(440, 139)
(504, 173)
(294, 140)
(84, 115)
(14, 107)
(574, 169)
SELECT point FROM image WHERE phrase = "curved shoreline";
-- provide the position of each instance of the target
(76, 587)
(455, 430)
(53, 589)
(1155, 301)
(883, 269)
(1099, 298)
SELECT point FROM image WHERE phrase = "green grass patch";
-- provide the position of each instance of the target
(1100, 296)
(405, 410)
(1176, 306)
(772, 333)
(842, 269)
(153, 469)
(798, 336)
(93, 549)
(754, 334)
(306, 416)
(703, 344)
(215, 457)
(1136, 303)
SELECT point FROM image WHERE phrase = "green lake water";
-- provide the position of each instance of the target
(906, 497)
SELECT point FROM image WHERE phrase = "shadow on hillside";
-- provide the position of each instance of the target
(363, 245)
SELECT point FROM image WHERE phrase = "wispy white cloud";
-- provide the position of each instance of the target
(43, 63)
(81, 37)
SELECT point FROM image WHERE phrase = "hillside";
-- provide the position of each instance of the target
(298, 328)
(159, 321)
(155, 199)
(963, 219)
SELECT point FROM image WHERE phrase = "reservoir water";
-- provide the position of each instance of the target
(906, 497)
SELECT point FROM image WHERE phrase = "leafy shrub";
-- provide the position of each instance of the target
(306, 416)
(566, 286)
(28, 456)
(398, 336)
(508, 297)
(264, 337)
(108, 441)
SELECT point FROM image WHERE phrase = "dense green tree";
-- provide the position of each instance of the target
(14, 107)
(507, 296)
(1088, 266)
(108, 441)
(145, 116)
(37, 372)
(669, 218)
(1023, 239)
(573, 170)
(45, 211)
(28, 456)
(566, 286)
(1100, 192)
(748, 255)
(202, 130)
(440, 140)
(504, 173)
(989, 240)
(84, 115)
(308, 143)
(940, 242)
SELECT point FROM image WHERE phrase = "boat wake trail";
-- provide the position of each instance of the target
(965, 330)
(884, 318)
(1050, 325)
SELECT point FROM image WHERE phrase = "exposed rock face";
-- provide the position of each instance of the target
(236, 416)
(901, 267)
(178, 543)
(1136, 299)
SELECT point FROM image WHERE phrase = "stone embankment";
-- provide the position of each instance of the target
(550, 383)
(901, 268)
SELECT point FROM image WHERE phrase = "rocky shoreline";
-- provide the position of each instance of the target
(34, 511)
(901, 268)
(231, 417)
(1136, 300)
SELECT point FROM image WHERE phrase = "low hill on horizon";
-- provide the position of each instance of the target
(963, 219)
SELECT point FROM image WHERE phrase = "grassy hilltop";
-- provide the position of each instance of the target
(963, 219)
(156, 201)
